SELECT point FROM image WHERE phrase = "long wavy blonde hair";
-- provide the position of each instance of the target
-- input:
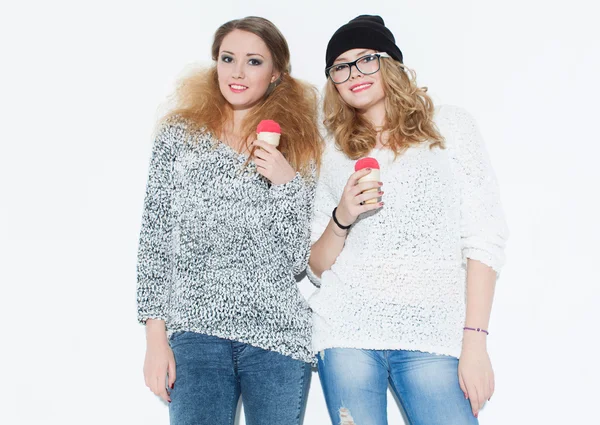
(408, 108)
(290, 102)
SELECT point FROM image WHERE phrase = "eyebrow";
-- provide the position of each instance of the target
(249, 54)
(357, 56)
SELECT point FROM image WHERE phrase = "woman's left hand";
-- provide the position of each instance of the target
(271, 163)
(475, 373)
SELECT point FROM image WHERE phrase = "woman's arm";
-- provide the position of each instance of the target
(326, 249)
(159, 364)
(475, 371)
(483, 237)
(155, 263)
(291, 197)
(481, 283)
(293, 206)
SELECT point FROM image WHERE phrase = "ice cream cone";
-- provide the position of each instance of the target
(268, 131)
(268, 137)
(373, 176)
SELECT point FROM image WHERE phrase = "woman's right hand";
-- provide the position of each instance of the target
(352, 203)
(160, 361)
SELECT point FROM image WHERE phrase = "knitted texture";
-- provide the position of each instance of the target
(400, 280)
(220, 246)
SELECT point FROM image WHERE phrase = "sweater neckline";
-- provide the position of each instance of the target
(242, 157)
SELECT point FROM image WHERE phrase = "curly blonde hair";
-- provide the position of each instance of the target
(409, 115)
(290, 102)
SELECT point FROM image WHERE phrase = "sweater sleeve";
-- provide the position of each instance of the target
(324, 205)
(292, 206)
(482, 225)
(155, 260)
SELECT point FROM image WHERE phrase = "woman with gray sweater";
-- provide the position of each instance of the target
(225, 230)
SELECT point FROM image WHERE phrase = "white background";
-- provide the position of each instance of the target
(81, 84)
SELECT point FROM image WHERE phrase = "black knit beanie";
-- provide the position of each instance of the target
(362, 32)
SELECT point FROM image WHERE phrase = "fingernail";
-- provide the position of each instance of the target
(368, 169)
(381, 193)
(466, 396)
(381, 204)
(380, 184)
(477, 415)
(173, 385)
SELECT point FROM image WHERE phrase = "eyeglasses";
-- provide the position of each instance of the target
(368, 64)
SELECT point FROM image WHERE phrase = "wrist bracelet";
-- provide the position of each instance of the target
(337, 222)
(476, 330)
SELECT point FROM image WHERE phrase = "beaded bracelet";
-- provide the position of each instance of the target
(476, 330)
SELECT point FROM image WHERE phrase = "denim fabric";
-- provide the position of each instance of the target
(355, 384)
(212, 373)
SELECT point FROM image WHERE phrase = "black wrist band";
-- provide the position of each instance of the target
(337, 222)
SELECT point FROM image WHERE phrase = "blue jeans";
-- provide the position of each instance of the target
(355, 386)
(212, 373)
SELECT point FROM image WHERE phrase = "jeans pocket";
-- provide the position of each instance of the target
(175, 335)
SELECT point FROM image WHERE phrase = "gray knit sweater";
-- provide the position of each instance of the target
(220, 246)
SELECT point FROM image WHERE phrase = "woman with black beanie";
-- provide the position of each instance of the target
(406, 289)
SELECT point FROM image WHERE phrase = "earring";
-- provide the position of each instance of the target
(274, 83)
(270, 88)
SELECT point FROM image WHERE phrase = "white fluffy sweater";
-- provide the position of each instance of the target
(400, 280)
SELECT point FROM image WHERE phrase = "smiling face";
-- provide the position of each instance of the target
(245, 69)
(362, 92)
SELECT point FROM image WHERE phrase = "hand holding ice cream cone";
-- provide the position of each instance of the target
(373, 176)
(269, 161)
(361, 193)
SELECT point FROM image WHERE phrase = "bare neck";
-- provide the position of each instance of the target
(232, 131)
(238, 118)
(375, 115)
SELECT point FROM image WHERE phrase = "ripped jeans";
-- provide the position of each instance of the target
(355, 385)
